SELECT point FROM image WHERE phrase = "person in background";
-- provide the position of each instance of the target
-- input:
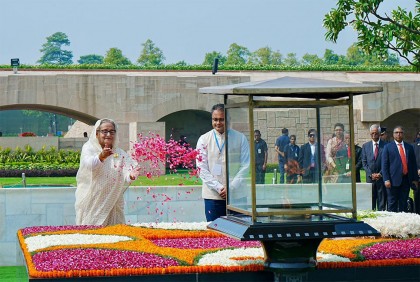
(417, 139)
(371, 161)
(336, 154)
(281, 142)
(343, 161)
(416, 146)
(308, 159)
(399, 171)
(212, 164)
(104, 174)
(359, 165)
(291, 156)
(261, 155)
(384, 135)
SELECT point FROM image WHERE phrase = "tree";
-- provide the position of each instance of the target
(150, 55)
(265, 56)
(91, 59)
(311, 59)
(181, 63)
(237, 55)
(356, 56)
(209, 58)
(48, 122)
(53, 52)
(291, 60)
(115, 57)
(378, 31)
(330, 58)
(392, 60)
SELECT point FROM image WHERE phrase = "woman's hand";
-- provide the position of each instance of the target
(135, 173)
(106, 152)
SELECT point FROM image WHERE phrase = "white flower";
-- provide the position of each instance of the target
(322, 257)
(227, 257)
(44, 241)
(391, 224)
(224, 257)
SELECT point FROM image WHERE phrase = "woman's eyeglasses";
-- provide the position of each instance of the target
(106, 132)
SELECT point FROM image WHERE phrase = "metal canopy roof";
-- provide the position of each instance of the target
(295, 87)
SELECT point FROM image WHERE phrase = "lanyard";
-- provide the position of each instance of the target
(217, 143)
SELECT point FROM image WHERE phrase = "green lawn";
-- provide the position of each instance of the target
(164, 180)
(180, 178)
(13, 274)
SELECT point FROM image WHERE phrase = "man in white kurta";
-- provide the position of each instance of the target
(212, 165)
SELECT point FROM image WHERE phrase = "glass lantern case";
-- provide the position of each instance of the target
(310, 183)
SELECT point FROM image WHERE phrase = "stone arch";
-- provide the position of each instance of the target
(191, 123)
(81, 116)
(408, 118)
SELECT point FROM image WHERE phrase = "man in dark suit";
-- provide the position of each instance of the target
(417, 192)
(261, 155)
(371, 161)
(291, 156)
(308, 159)
(399, 171)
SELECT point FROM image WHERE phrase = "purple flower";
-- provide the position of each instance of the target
(398, 249)
(90, 259)
(37, 229)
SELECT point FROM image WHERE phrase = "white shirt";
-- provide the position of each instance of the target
(398, 146)
(212, 162)
(211, 158)
(312, 148)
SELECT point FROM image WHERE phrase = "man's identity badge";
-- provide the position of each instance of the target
(217, 169)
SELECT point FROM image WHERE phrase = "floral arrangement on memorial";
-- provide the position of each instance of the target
(181, 248)
(174, 248)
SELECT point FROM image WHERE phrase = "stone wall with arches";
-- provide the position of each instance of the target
(173, 98)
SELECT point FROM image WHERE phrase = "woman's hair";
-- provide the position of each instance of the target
(338, 124)
(106, 120)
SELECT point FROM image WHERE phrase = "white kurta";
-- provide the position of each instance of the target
(213, 155)
(101, 185)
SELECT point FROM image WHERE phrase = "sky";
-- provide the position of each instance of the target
(182, 29)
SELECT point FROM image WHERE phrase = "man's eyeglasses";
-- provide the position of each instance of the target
(398, 132)
(218, 119)
(311, 135)
(105, 132)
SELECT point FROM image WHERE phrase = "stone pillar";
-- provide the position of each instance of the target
(136, 128)
(145, 128)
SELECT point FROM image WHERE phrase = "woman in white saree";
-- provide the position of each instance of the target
(104, 174)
